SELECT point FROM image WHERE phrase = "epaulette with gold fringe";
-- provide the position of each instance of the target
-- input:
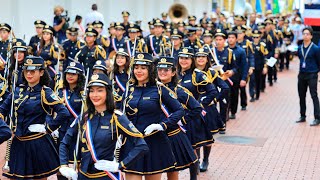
(100, 51)
(125, 125)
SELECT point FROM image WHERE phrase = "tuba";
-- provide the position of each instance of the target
(178, 13)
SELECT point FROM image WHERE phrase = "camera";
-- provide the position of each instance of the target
(65, 16)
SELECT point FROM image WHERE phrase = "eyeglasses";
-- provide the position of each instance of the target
(29, 71)
(164, 69)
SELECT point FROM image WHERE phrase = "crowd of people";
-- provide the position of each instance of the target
(97, 106)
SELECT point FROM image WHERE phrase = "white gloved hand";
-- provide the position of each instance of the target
(55, 133)
(180, 123)
(153, 127)
(68, 172)
(105, 165)
(37, 128)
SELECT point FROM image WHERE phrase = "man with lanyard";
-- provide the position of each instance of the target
(133, 34)
(246, 44)
(71, 46)
(119, 40)
(101, 40)
(238, 79)
(225, 57)
(156, 42)
(176, 39)
(309, 55)
(35, 40)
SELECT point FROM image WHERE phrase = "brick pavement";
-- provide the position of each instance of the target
(290, 150)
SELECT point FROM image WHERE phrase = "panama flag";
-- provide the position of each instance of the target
(311, 15)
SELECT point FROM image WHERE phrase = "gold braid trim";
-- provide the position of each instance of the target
(229, 55)
(1, 116)
(249, 45)
(43, 99)
(4, 87)
(194, 79)
(53, 53)
(105, 42)
(198, 43)
(212, 78)
(101, 51)
(270, 38)
(118, 124)
(263, 49)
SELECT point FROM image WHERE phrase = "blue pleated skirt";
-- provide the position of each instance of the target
(33, 157)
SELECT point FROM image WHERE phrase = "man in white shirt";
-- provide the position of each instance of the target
(94, 16)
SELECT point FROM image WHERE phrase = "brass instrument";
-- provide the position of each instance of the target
(178, 13)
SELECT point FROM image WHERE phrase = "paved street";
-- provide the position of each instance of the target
(281, 149)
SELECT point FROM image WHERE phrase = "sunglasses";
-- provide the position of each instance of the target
(256, 37)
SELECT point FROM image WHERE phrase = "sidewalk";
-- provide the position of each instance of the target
(285, 150)
(282, 149)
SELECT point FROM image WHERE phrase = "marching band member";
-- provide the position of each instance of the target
(226, 57)
(260, 53)
(49, 52)
(212, 119)
(180, 144)
(37, 113)
(19, 53)
(100, 129)
(118, 41)
(71, 46)
(239, 78)
(197, 82)
(35, 40)
(91, 52)
(133, 33)
(177, 42)
(157, 42)
(120, 74)
(101, 40)
(143, 106)
(71, 94)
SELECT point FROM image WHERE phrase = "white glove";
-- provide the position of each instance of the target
(153, 127)
(105, 165)
(68, 172)
(55, 133)
(37, 128)
(180, 123)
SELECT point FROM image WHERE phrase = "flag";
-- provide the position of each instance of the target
(269, 5)
(275, 7)
(311, 14)
(258, 6)
(290, 5)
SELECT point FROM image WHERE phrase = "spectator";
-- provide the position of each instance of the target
(309, 55)
(60, 24)
(94, 15)
(78, 24)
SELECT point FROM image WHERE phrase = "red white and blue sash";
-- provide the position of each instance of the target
(129, 48)
(3, 60)
(167, 114)
(71, 110)
(151, 45)
(114, 44)
(111, 175)
(121, 86)
(51, 68)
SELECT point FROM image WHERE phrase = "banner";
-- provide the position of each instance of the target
(311, 14)
(275, 9)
